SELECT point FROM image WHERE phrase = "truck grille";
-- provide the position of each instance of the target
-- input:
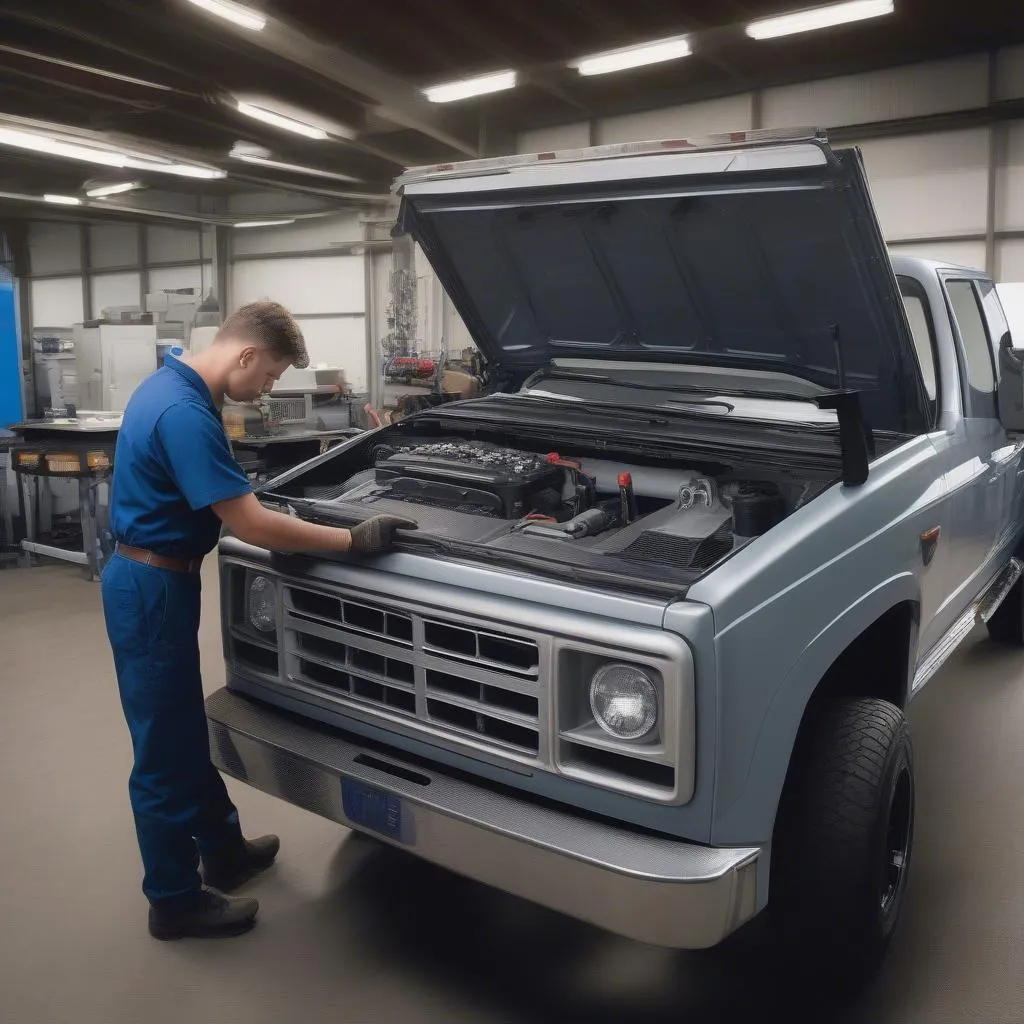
(455, 677)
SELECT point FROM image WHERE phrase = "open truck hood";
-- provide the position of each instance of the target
(756, 255)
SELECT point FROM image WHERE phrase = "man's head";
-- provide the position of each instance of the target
(259, 342)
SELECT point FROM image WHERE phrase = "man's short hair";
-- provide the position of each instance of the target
(268, 325)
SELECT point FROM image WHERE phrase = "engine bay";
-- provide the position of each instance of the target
(586, 511)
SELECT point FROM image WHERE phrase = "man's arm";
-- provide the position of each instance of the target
(255, 524)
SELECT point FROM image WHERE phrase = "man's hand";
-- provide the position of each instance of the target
(377, 534)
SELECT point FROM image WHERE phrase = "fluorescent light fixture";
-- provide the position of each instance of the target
(280, 165)
(634, 56)
(467, 87)
(52, 147)
(818, 18)
(102, 191)
(103, 157)
(263, 223)
(288, 124)
(62, 200)
(166, 167)
(238, 14)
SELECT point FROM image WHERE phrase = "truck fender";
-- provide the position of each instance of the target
(751, 817)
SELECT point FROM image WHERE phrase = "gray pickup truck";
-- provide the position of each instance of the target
(737, 486)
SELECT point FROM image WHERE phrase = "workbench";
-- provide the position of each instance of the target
(79, 449)
(82, 449)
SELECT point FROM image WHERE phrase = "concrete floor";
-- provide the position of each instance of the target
(356, 934)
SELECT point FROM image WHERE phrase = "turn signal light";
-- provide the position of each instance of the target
(28, 459)
(98, 460)
(63, 462)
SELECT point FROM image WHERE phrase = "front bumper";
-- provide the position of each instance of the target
(651, 888)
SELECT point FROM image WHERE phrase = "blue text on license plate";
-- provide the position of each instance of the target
(376, 811)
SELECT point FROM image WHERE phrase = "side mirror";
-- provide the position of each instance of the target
(1011, 385)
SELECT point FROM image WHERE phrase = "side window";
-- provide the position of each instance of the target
(921, 327)
(977, 348)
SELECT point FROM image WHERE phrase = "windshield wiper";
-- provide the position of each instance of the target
(633, 413)
(691, 389)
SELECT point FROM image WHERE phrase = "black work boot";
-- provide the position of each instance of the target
(228, 868)
(201, 915)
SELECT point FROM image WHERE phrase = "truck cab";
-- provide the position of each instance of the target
(738, 486)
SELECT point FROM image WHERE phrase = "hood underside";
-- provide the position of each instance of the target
(767, 258)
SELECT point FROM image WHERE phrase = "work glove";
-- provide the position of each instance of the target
(377, 534)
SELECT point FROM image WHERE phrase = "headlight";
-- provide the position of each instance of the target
(624, 701)
(262, 604)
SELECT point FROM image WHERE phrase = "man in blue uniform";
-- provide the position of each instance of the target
(175, 482)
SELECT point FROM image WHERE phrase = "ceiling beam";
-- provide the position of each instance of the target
(394, 99)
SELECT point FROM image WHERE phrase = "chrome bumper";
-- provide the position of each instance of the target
(650, 888)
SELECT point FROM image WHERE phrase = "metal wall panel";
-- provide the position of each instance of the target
(302, 236)
(910, 91)
(1010, 73)
(1010, 265)
(56, 302)
(242, 203)
(730, 114)
(565, 136)
(338, 341)
(1010, 179)
(178, 277)
(312, 284)
(113, 245)
(965, 253)
(173, 245)
(930, 185)
(115, 290)
(54, 248)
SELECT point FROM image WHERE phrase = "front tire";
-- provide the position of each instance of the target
(843, 839)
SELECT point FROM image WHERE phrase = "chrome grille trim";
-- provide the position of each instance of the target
(446, 683)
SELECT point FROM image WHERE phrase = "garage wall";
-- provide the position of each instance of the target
(934, 192)
(310, 268)
(77, 271)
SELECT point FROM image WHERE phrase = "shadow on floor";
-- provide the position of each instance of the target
(530, 965)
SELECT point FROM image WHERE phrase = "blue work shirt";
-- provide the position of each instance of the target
(172, 462)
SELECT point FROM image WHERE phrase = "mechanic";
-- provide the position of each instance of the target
(175, 482)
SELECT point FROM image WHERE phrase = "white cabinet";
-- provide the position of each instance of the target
(113, 360)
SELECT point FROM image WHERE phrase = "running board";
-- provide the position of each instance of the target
(979, 613)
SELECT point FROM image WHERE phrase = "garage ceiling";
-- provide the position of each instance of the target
(165, 77)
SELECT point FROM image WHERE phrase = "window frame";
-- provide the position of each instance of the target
(910, 287)
(970, 395)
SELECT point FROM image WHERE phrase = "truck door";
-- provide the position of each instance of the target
(938, 578)
(983, 475)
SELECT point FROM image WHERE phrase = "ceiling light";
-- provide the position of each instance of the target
(634, 56)
(288, 124)
(246, 17)
(161, 166)
(102, 191)
(467, 87)
(52, 147)
(263, 223)
(104, 157)
(819, 17)
(266, 161)
(62, 200)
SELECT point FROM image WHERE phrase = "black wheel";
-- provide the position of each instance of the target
(1007, 625)
(843, 839)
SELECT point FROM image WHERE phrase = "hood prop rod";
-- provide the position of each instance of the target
(856, 439)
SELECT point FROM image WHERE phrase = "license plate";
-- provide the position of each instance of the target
(376, 811)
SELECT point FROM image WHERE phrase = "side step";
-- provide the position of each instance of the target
(979, 613)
